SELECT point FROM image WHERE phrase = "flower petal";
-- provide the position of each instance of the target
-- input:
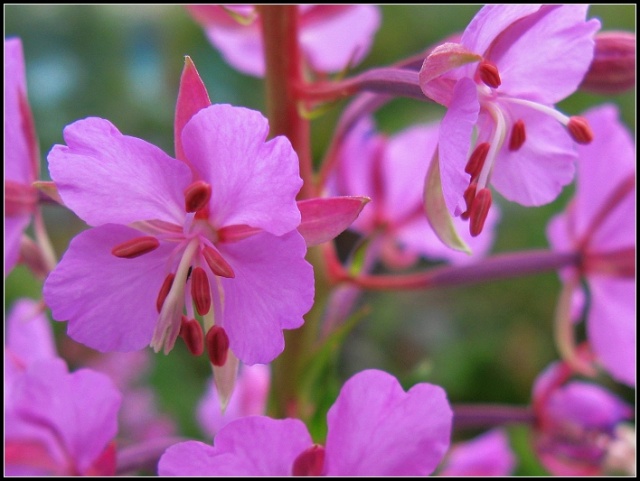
(272, 289)
(110, 302)
(250, 446)
(486, 455)
(106, 177)
(29, 333)
(253, 182)
(377, 429)
(14, 226)
(324, 218)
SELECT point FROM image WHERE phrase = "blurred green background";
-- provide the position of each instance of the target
(123, 63)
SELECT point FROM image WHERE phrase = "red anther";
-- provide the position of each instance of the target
(476, 161)
(489, 74)
(469, 195)
(136, 247)
(193, 336)
(217, 343)
(216, 263)
(164, 291)
(479, 210)
(580, 130)
(518, 136)
(309, 462)
(196, 196)
(203, 213)
(200, 290)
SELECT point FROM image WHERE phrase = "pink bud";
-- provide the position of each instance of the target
(309, 462)
(613, 69)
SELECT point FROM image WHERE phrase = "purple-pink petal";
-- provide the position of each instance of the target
(110, 302)
(376, 428)
(272, 289)
(324, 218)
(250, 446)
(486, 455)
(29, 333)
(253, 182)
(107, 177)
(14, 227)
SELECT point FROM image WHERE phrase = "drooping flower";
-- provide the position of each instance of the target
(486, 455)
(56, 422)
(214, 230)
(331, 36)
(500, 84)
(576, 423)
(21, 162)
(385, 169)
(599, 225)
(374, 428)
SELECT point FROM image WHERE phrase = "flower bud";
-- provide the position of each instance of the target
(613, 69)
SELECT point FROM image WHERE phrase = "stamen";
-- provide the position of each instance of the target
(476, 161)
(580, 130)
(469, 195)
(216, 263)
(217, 343)
(164, 291)
(136, 247)
(191, 333)
(309, 462)
(197, 196)
(479, 210)
(489, 74)
(518, 136)
(200, 290)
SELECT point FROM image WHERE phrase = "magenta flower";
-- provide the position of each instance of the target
(249, 398)
(374, 428)
(56, 422)
(600, 225)
(575, 423)
(486, 455)
(21, 163)
(513, 63)
(331, 36)
(386, 169)
(215, 231)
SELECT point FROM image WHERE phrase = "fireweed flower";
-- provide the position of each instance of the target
(374, 428)
(21, 163)
(386, 169)
(576, 423)
(500, 84)
(215, 233)
(599, 224)
(56, 422)
(331, 36)
(486, 455)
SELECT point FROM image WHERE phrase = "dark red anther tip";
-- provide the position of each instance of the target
(136, 247)
(217, 343)
(164, 291)
(193, 336)
(469, 195)
(309, 462)
(479, 210)
(580, 130)
(200, 290)
(216, 263)
(476, 161)
(489, 74)
(197, 196)
(518, 136)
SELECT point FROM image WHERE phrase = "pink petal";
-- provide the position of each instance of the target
(536, 173)
(29, 333)
(331, 36)
(486, 455)
(611, 325)
(254, 182)
(14, 227)
(271, 291)
(110, 302)
(324, 218)
(251, 446)
(104, 176)
(377, 429)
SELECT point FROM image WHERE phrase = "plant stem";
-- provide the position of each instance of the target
(473, 416)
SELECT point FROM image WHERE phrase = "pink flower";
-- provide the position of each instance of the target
(21, 163)
(56, 422)
(599, 224)
(331, 36)
(215, 231)
(386, 170)
(374, 428)
(513, 63)
(249, 398)
(575, 423)
(486, 455)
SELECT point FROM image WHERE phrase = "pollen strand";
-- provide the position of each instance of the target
(136, 247)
